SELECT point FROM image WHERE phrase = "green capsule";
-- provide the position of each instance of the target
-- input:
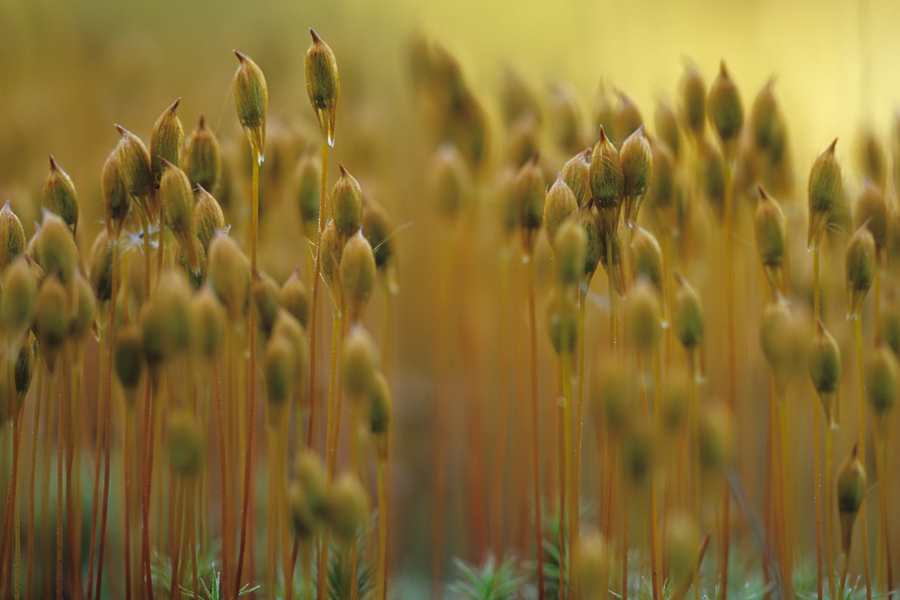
(166, 142)
(60, 197)
(251, 96)
(202, 161)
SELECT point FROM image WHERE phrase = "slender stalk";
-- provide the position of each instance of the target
(563, 483)
(176, 508)
(98, 454)
(17, 537)
(251, 375)
(575, 516)
(61, 427)
(503, 408)
(381, 575)
(568, 436)
(317, 267)
(289, 580)
(817, 443)
(107, 417)
(655, 561)
(126, 470)
(732, 368)
(226, 531)
(652, 483)
(881, 457)
(70, 440)
(625, 539)
(829, 509)
(39, 366)
(787, 558)
(271, 523)
(442, 415)
(535, 437)
(695, 459)
(862, 454)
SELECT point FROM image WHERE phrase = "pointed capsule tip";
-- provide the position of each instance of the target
(855, 451)
(166, 163)
(315, 36)
(53, 166)
(831, 147)
(601, 134)
(240, 57)
(344, 172)
(122, 131)
(723, 70)
(174, 105)
(202, 124)
(762, 193)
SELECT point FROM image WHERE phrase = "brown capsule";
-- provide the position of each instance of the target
(308, 189)
(208, 218)
(627, 118)
(693, 101)
(346, 204)
(202, 161)
(872, 157)
(18, 301)
(116, 197)
(687, 314)
(606, 173)
(303, 520)
(134, 170)
(264, 293)
(323, 86)
(571, 252)
(860, 264)
(166, 142)
(559, 203)
(643, 318)
(84, 319)
(229, 275)
(332, 249)
(614, 250)
(178, 202)
(663, 184)
(57, 248)
(357, 275)
(505, 198)
(518, 98)
(577, 175)
(128, 359)
(766, 124)
(24, 369)
(524, 140)
(770, 227)
(712, 172)
(251, 98)
(450, 181)
(851, 491)
(60, 197)
(289, 329)
(562, 323)
(294, 298)
(611, 398)
(647, 257)
(380, 415)
(726, 113)
(871, 207)
(378, 229)
(310, 473)
(567, 119)
(165, 320)
(824, 186)
(824, 363)
(531, 189)
(360, 363)
(667, 128)
(348, 507)
(12, 237)
(637, 167)
(278, 367)
(778, 336)
(51, 321)
(881, 382)
(590, 561)
(592, 224)
(185, 443)
(208, 316)
(890, 326)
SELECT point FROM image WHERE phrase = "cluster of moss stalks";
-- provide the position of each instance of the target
(191, 335)
(662, 408)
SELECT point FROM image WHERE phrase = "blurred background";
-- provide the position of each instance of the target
(69, 71)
